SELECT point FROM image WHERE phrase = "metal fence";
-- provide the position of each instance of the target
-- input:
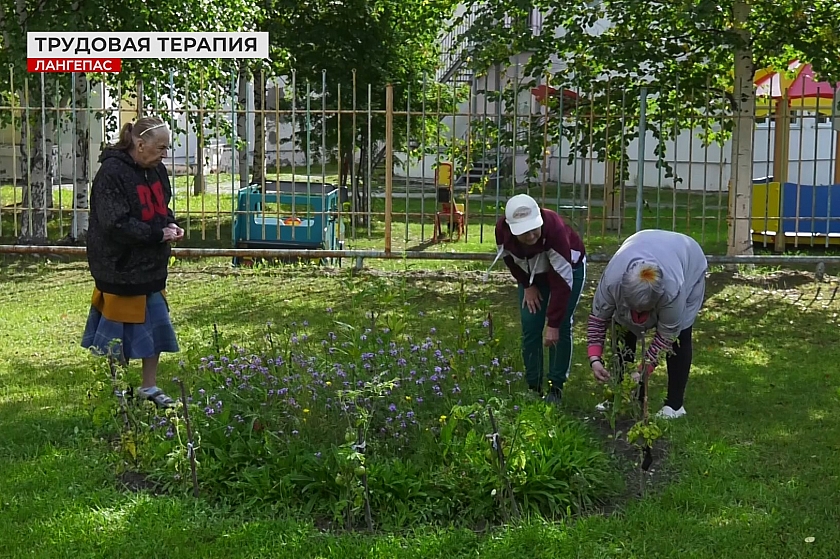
(322, 163)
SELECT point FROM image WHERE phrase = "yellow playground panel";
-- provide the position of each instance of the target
(805, 214)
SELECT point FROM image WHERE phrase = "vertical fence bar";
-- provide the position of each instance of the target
(468, 169)
(341, 173)
(545, 137)
(454, 154)
(308, 150)
(610, 182)
(59, 124)
(278, 154)
(186, 113)
(13, 96)
(218, 173)
(801, 121)
(323, 156)
(587, 160)
(354, 179)
(47, 192)
(559, 155)
(659, 158)
(74, 226)
(515, 128)
(294, 142)
(721, 186)
(257, 80)
(691, 127)
(369, 162)
(199, 156)
(676, 161)
(234, 210)
(423, 161)
(814, 219)
(389, 162)
(640, 175)
(407, 157)
(499, 101)
(624, 161)
(484, 159)
(27, 128)
(706, 111)
(835, 144)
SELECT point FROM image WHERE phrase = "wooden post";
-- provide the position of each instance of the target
(781, 162)
(837, 157)
(389, 163)
(613, 191)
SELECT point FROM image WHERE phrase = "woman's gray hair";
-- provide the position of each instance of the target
(641, 285)
(130, 132)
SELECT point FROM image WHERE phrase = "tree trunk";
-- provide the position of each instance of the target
(740, 239)
(37, 195)
(346, 167)
(242, 126)
(199, 184)
(81, 163)
(258, 167)
(360, 186)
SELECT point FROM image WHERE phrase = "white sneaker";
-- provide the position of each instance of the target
(668, 412)
(603, 406)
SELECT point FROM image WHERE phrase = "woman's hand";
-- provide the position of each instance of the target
(179, 233)
(169, 235)
(599, 371)
(532, 299)
(552, 336)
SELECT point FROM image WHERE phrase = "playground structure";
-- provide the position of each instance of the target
(784, 212)
(448, 211)
(800, 212)
(305, 216)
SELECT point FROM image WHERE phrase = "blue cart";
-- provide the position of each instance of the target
(290, 215)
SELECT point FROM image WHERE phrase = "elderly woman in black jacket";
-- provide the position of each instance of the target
(128, 249)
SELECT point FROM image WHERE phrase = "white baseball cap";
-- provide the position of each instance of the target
(522, 214)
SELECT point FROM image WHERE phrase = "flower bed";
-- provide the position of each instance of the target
(371, 426)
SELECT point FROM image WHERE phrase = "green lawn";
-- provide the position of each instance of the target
(750, 472)
(208, 217)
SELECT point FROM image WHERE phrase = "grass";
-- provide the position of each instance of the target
(208, 217)
(751, 472)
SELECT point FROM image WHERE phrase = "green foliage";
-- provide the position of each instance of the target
(374, 422)
(344, 55)
(682, 52)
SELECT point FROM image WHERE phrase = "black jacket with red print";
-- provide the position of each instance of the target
(129, 208)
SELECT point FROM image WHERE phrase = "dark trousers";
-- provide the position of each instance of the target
(678, 363)
(533, 325)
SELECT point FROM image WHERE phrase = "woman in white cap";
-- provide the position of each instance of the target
(548, 261)
(656, 279)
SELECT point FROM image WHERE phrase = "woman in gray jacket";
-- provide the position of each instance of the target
(656, 280)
